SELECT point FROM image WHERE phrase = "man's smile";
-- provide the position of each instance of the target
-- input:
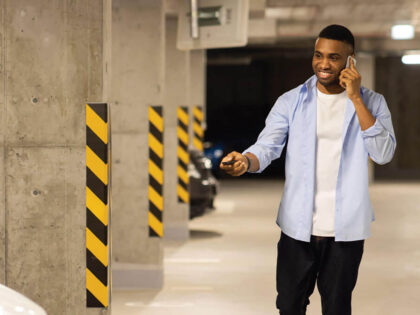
(324, 74)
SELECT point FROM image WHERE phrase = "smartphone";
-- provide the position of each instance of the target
(229, 162)
(348, 61)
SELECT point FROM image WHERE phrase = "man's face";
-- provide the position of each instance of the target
(330, 57)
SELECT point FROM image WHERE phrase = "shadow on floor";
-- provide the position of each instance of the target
(200, 234)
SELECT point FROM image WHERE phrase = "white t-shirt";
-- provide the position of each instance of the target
(330, 119)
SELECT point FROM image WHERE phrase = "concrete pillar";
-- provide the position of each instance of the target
(366, 67)
(51, 64)
(137, 82)
(176, 215)
(197, 82)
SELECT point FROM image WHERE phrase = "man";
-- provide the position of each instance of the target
(332, 125)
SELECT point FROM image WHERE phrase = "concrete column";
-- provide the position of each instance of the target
(366, 67)
(51, 64)
(137, 82)
(197, 82)
(176, 215)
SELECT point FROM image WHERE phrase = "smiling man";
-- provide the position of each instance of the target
(332, 125)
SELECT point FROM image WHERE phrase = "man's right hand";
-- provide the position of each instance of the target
(236, 169)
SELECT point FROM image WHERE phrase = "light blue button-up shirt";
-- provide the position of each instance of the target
(293, 116)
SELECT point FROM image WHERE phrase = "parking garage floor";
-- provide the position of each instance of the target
(228, 265)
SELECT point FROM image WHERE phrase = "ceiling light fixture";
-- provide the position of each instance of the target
(411, 59)
(402, 31)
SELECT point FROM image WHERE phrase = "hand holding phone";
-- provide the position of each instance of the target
(234, 164)
(350, 79)
(229, 162)
(348, 61)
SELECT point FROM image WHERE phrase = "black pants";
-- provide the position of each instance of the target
(333, 265)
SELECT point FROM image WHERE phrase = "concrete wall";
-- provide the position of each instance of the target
(51, 64)
(399, 85)
(197, 82)
(137, 82)
(177, 76)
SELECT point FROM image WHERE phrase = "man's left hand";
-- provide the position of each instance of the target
(350, 79)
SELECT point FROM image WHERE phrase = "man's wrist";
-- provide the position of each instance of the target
(249, 162)
(356, 99)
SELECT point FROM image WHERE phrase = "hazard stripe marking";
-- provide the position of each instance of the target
(182, 135)
(96, 165)
(96, 206)
(183, 155)
(182, 174)
(183, 115)
(155, 225)
(97, 228)
(183, 194)
(156, 146)
(97, 186)
(198, 131)
(97, 146)
(183, 146)
(156, 198)
(182, 164)
(97, 247)
(198, 144)
(155, 211)
(96, 124)
(96, 286)
(155, 185)
(183, 184)
(155, 118)
(198, 113)
(156, 174)
(97, 210)
(100, 271)
(92, 301)
(156, 133)
(155, 158)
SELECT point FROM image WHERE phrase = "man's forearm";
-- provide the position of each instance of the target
(366, 119)
(255, 163)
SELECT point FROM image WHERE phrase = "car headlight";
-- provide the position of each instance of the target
(192, 171)
(207, 164)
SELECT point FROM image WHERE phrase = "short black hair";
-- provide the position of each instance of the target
(338, 32)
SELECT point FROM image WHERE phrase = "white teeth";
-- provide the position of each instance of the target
(324, 74)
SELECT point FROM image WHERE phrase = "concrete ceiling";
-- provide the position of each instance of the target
(297, 22)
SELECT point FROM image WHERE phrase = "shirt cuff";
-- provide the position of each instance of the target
(254, 151)
(374, 130)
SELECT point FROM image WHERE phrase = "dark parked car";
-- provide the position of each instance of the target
(203, 185)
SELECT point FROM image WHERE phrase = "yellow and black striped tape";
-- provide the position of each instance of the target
(182, 153)
(97, 289)
(155, 171)
(198, 137)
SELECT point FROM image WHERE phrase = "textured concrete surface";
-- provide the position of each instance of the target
(46, 256)
(137, 62)
(2, 127)
(2, 220)
(137, 82)
(197, 83)
(176, 215)
(398, 83)
(198, 78)
(228, 265)
(65, 38)
(51, 65)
